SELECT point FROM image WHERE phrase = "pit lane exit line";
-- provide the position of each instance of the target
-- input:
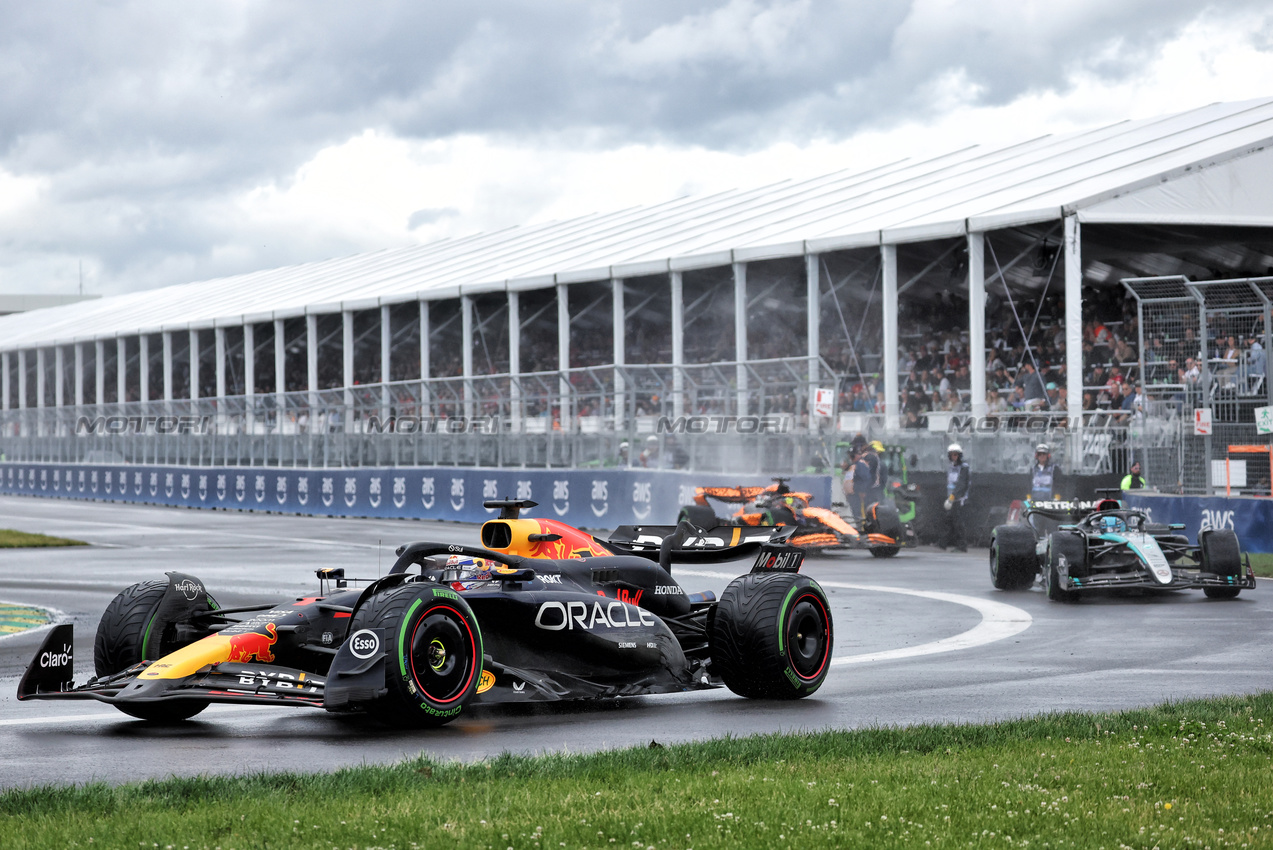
(998, 621)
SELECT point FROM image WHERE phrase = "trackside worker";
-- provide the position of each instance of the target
(1133, 480)
(875, 467)
(858, 481)
(1043, 474)
(957, 486)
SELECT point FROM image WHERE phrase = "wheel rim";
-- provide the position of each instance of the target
(442, 655)
(807, 637)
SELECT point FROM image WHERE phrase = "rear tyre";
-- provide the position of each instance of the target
(699, 516)
(1013, 561)
(129, 634)
(882, 518)
(778, 515)
(1073, 548)
(1221, 556)
(770, 636)
(434, 653)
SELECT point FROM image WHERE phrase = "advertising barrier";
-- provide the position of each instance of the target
(601, 498)
(1251, 518)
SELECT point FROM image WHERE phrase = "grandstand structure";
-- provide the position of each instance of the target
(553, 344)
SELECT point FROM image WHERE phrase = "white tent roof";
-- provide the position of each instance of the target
(1212, 165)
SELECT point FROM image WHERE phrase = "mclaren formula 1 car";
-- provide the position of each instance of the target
(818, 529)
(1084, 546)
(541, 611)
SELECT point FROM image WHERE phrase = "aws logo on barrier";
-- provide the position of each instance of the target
(1216, 519)
(600, 497)
(641, 499)
(561, 497)
(426, 492)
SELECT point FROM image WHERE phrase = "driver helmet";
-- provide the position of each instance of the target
(1110, 524)
(469, 567)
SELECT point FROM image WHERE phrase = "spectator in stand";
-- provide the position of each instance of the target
(1227, 368)
(1017, 400)
(1256, 361)
(1054, 397)
(1116, 400)
(1124, 353)
(1134, 403)
(1191, 374)
(1030, 383)
(912, 421)
(995, 403)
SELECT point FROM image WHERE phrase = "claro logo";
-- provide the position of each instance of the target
(56, 659)
(364, 643)
(558, 616)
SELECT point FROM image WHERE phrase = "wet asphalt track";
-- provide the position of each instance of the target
(922, 638)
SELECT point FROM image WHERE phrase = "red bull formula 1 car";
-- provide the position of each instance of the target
(540, 612)
(819, 529)
(1077, 547)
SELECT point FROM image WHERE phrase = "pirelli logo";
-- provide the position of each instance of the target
(778, 559)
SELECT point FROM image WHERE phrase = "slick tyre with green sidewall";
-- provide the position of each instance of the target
(130, 633)
(1013, 562)
(433, 659)
(771, 636)
(1220, 555)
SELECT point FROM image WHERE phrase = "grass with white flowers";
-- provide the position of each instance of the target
(1189, 775)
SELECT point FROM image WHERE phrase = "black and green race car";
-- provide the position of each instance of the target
(1078, 547)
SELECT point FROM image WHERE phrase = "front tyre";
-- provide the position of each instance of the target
(1220, 555)
(434, 653)
(130, 633)
(771, 636)
(1013, 560)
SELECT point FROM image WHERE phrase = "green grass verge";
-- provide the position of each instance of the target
(10, 539)
(1187, 775)
(1262, 563)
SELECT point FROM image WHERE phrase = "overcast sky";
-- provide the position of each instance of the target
(158, 142)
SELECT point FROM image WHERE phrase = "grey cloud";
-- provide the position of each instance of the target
(147, 118)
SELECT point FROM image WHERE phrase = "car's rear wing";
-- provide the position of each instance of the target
(687, 544)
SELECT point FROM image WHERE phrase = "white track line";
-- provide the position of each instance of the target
(998, 621)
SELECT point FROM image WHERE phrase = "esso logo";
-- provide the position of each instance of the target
(364, 643)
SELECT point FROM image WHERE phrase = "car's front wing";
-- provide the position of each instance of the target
(1181, 579)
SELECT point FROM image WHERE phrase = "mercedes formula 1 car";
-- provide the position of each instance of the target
(540, 612)
(1085, 546)
(819, 529)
